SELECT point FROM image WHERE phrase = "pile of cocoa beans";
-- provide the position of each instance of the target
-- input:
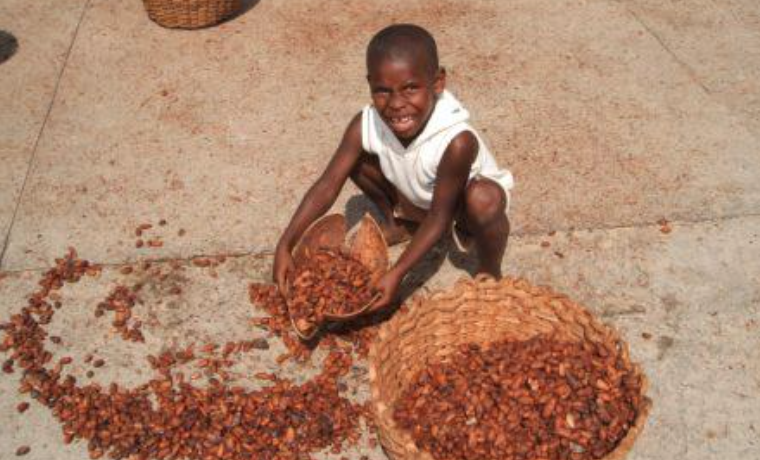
(535, 399)
(121, 300)
(327, 282)
(169, 417)
(268, 298)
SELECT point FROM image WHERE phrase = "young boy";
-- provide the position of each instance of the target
(414, 155)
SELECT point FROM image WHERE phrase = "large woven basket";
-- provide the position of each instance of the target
(476, 311)
(191, 14)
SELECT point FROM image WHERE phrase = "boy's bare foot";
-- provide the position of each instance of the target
(399, 231)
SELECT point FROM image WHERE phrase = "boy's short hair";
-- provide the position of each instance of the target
(404, 41)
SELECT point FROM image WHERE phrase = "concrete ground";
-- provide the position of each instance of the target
(612, 114)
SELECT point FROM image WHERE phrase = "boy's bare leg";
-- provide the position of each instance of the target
(484, 217)
(368, 176)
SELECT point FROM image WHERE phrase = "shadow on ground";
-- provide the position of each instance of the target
(248, 5)
(8, 46)
(358, 205)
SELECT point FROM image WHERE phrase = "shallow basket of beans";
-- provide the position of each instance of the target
(334, 274)
(503, 370)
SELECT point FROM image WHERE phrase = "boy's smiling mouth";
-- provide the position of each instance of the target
(401, 124)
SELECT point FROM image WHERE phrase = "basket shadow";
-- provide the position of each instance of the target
(8, 46)
(246, 6)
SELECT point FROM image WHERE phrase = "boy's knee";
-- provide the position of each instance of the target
(485, 201)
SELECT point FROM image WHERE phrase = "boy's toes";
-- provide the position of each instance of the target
(398, 233)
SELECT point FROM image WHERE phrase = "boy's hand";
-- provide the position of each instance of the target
(283, 268)
(388, 287)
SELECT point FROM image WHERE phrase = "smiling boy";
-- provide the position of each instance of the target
(414, 155)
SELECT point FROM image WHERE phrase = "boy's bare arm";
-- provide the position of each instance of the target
(452, 175)
(320, 197)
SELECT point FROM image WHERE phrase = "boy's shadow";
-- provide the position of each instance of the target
(358, 205)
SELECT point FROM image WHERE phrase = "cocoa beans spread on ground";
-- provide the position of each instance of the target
(328, 282)
(537, 399)
(169, 417)
(121, 300)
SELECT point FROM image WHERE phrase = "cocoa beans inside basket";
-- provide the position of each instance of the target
(536, 399)
(328, 282)
(267, 297)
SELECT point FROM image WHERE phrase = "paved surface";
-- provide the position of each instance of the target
(611, 114)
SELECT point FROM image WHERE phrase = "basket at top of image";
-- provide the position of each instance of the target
(191, 14)
(480, 311)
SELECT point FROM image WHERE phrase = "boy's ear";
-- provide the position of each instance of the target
(440, 81)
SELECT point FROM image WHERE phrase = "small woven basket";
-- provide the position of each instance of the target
(191, 14)
(477, 311)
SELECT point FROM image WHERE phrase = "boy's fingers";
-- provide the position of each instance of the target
(284, 281)
(380, 303)
(281, 285)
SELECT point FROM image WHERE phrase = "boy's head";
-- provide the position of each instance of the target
(404, 78)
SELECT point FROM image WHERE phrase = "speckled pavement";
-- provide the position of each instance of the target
(613, 115)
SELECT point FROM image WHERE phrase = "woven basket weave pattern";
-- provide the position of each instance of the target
(476, 311)
(190, 14)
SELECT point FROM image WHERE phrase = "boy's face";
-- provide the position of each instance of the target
(404, 94)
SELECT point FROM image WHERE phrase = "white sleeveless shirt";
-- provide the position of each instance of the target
(413, 169)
